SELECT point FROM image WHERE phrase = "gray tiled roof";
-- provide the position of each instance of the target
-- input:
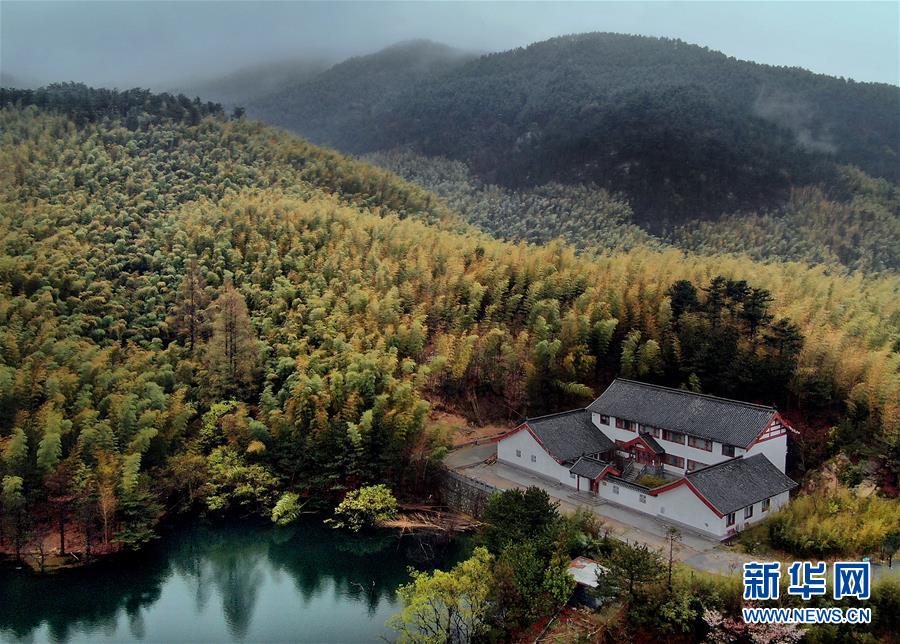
(736, 483)
(588, 467)
(726, 421)
(569, 434)
(652, 443)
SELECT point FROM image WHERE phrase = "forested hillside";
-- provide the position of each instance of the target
(604, 138)
(860, 230)
(349, 105)
(242, 86)
(682, 131)
(205, 313)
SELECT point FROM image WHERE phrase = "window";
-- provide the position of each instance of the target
(748, 512)
(615, 489)
(765, 505)
(533, 458)
(675, 461)
(649, 429)
(519, 453)
(673, 437)
(604, 420)
(572, 475)
(643, 498)
(728, 450)
(694, 465)
(729, 519)
(700, 443)
(625, 424)
(604, 483)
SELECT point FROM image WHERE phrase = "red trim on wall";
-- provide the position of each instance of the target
(511, 433)
(685, 481)
(609, 469)
(638, 440)
(776, 428)
(536, 439)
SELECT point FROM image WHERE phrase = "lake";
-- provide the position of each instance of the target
(232, 583)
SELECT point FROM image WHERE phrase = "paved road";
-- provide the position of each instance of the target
(695, 550)
(469, 456)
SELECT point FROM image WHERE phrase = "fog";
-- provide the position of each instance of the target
(160, 44)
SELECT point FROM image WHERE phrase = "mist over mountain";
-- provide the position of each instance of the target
(11, 80)
(249, 83)
(348, 105)
(682, 131)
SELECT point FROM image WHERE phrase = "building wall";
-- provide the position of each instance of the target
(543, 463)
(775, 450)
(681, 505)
(627, 496)
(775, 503)
(685, 451)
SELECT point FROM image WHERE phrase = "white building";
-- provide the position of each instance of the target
(710, 464)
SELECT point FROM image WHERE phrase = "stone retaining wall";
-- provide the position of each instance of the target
(464, 494)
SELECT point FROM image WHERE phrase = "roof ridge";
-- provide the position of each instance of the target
(715, 465)
(588, 457)
(692, 393)
(556, 413)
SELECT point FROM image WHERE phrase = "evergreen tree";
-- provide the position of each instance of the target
(232, 354)
(188, 317)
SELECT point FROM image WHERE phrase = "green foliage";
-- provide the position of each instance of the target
(885, 602)
(139, 514)
(683, 132)
(231, 356)
(651, 481)
(585, 216)
(357, 298)
(633, 571)
(558, 583)
(679, 613)
(11, 493)
(837, 524)
(860, 230)
(16, 450)
(238, 486)
(515, 516)
(444, 607)
(136, 106)
(364, 508)
(287, 509)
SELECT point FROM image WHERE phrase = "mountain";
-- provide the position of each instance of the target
(345, 105)
(250, 83)
(684, 133)
(857, 229)
(12, 80)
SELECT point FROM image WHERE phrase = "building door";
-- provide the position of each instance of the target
(595, 487)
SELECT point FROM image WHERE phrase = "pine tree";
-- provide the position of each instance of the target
(231, 356)
(188, 318)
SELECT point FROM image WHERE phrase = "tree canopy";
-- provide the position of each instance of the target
(212, 314)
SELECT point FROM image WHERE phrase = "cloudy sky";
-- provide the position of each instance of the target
(128, 44)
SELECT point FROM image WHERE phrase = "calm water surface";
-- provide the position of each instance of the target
(223, 584)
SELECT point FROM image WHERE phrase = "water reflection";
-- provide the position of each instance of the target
(238, 583)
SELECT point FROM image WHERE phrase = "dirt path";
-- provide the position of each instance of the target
(462, 431)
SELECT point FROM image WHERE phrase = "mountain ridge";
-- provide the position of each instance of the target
(685, 132)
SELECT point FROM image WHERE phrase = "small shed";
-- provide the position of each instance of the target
(585, 572)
